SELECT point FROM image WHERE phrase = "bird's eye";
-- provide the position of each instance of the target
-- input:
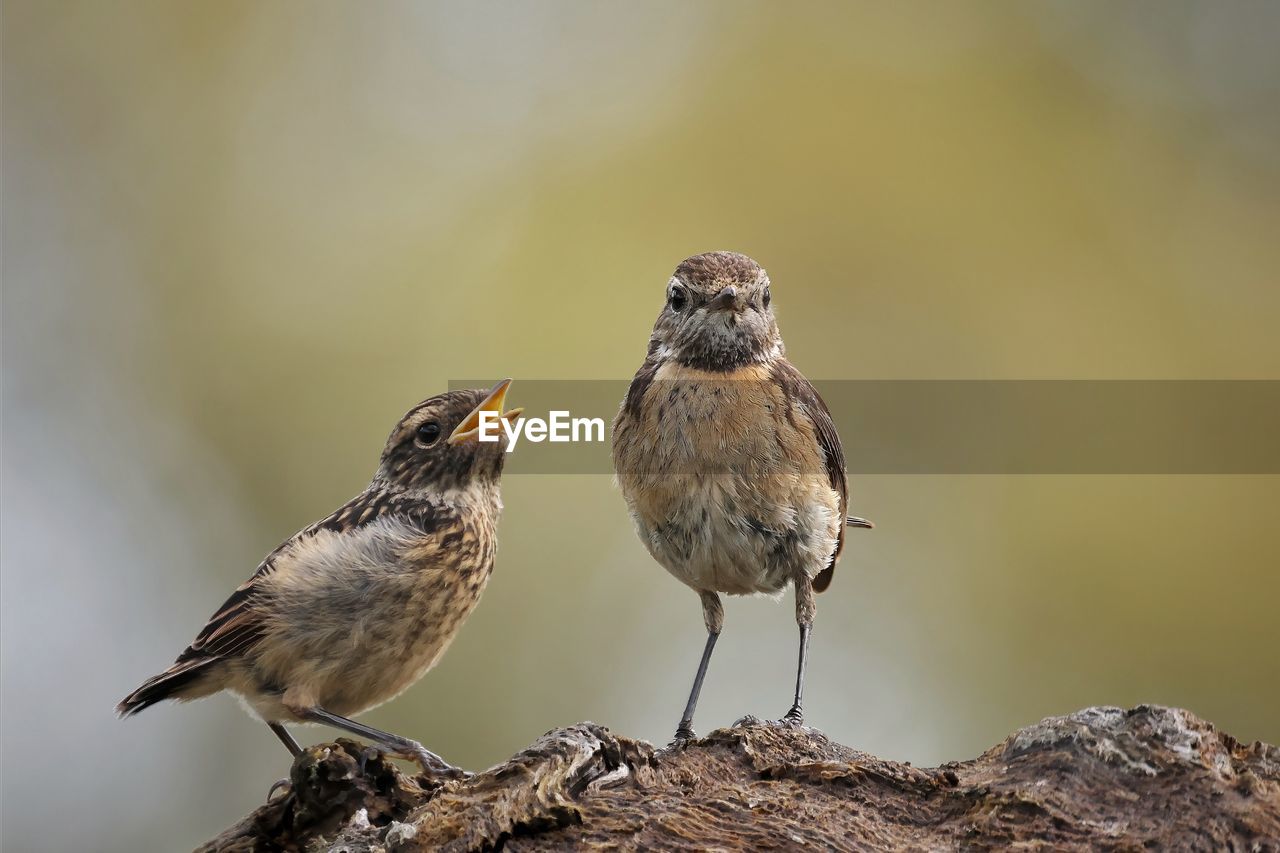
(767, 297)
(678, 299)
(428, 432)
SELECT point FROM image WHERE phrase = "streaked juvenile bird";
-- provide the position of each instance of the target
(727, 457)
(350, 611)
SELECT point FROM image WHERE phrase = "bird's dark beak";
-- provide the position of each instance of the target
(469, 429)
(854, 521)
(725, 300)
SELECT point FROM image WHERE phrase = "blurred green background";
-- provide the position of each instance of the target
(239, 240)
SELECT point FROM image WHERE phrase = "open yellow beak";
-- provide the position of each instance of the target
(469, 429)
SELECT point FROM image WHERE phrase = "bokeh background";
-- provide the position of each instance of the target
(239, 239)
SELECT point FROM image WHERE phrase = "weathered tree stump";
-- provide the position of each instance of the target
(1102, 778)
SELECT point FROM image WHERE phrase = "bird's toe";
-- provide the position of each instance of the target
(280, 785)
(794, 717)
(684, 735)
(436, 767)
(368, 754)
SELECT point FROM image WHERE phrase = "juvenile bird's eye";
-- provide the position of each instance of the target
(678, 299)
(428, 432)
(767, 297)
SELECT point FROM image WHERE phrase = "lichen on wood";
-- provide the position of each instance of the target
(1102, 778)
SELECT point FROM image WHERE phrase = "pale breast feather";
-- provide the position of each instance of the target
(708, 463)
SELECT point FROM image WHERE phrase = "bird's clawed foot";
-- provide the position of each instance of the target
(280, 785)
(684, 733)
(435, 767)
(794, 717)
(366, 755)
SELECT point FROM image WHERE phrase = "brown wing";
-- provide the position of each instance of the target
(644, 377)
(237, 626)
(803, 395)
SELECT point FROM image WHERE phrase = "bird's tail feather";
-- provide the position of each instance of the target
(167, 685)
(823, 579)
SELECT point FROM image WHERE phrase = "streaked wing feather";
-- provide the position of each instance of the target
(238, 625)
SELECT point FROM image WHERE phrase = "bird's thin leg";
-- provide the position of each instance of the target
(285, 738)
(713, 615)
(805, 609)
(796, 714)
(400, 747)
(685, 730)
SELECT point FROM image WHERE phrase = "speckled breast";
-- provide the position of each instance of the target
(725, 483)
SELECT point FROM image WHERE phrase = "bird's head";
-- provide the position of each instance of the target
(437, 446)
(718, 314)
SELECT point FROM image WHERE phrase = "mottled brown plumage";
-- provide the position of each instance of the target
(353, 609)
(727, 456)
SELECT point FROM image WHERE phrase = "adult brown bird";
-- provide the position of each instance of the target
(350, 611)
(727, 457)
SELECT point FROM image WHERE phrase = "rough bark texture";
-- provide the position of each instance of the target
(1102, 778)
